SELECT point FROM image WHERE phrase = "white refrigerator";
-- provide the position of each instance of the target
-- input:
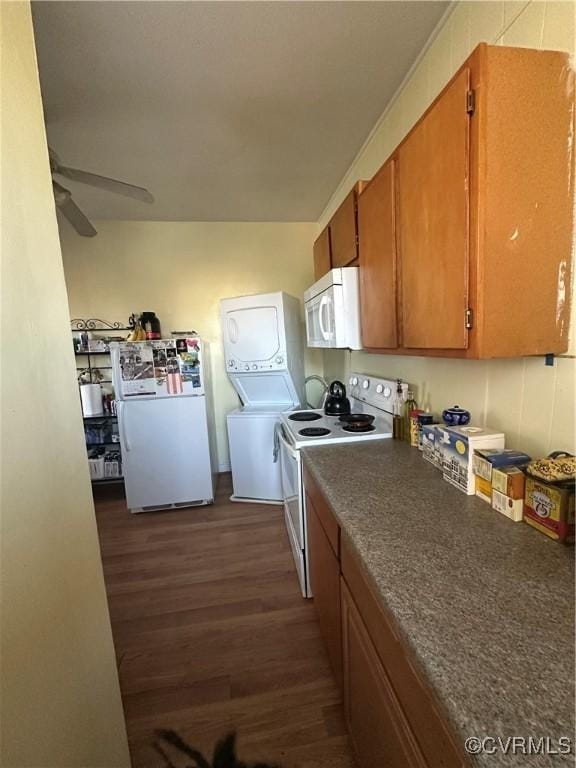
(165, 422)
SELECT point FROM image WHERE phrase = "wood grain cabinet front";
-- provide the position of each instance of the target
(322, 257)
(380, 734)
(325, 585)
(478, 246)
(344, 231)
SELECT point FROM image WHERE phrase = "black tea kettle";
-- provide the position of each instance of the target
(337, 404)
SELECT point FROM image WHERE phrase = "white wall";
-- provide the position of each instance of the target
(181, 270)
(532, 403)
(60, 697)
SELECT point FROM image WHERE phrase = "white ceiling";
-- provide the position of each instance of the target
(247, 111)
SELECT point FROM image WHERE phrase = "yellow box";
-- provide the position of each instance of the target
(484, 489)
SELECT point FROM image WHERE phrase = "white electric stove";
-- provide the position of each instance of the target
(309, 428)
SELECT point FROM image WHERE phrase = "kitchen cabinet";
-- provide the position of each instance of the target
(322, 258)
(337, 244)
(474, 257)
(344, 231)
(433, 223)
(380, 733)
(325, 586)
(377, 240)
(392, 715)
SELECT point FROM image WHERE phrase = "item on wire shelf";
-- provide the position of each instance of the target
(151, 325)
(91, 398)
(98, 433)
(112, 464)
(97, 345)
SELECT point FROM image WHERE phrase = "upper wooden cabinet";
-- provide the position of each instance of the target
(433, 223)
(377, 236)
(477, 246)
(337, 244)
(344, 231)
(322, 257)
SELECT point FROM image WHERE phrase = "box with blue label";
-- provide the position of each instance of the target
(458, 446)
(488, 459)
(431, 444)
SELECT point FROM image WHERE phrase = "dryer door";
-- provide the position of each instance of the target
(252, 334)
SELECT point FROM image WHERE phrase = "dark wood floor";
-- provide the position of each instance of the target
(212, 634)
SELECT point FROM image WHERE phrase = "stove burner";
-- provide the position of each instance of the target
(305, 416)
(314, 432)
(358, 427)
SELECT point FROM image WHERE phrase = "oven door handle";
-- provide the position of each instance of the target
(292, 452)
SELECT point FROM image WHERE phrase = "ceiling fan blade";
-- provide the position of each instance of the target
(64, 203)
(110, 185)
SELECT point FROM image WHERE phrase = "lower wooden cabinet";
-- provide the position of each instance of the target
(325, 585)
(380, 733)
(393, 716)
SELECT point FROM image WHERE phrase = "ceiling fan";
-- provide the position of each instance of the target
(63, 196)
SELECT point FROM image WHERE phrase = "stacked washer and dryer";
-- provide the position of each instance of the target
(264, 360)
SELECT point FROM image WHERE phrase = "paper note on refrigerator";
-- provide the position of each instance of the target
(137, 369)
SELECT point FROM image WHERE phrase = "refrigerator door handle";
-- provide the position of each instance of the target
(122, 423)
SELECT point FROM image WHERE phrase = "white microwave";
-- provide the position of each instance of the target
(333, 310)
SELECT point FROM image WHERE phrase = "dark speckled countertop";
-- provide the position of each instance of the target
(486, 604)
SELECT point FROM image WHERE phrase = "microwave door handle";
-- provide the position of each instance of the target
(324, 331)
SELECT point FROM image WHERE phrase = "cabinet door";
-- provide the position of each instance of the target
(343, 232)
(377, 247)
(325, 585)
(433, 205)
(322, 260)
(378, 728)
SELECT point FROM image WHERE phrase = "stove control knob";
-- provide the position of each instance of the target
(379, 389)
(387, 391)
(246, 367)
(365, 383)
(230, 363)
(279, 360)
(254, 367)
(354, 381)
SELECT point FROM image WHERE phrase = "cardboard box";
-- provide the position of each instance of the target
(483, 489)
(550, 508)
(431, 448)
(512, 508)
(458, 447)
(486, 459)
(510, 481)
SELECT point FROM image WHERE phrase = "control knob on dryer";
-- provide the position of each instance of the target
(354, 381)
(366, 384)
